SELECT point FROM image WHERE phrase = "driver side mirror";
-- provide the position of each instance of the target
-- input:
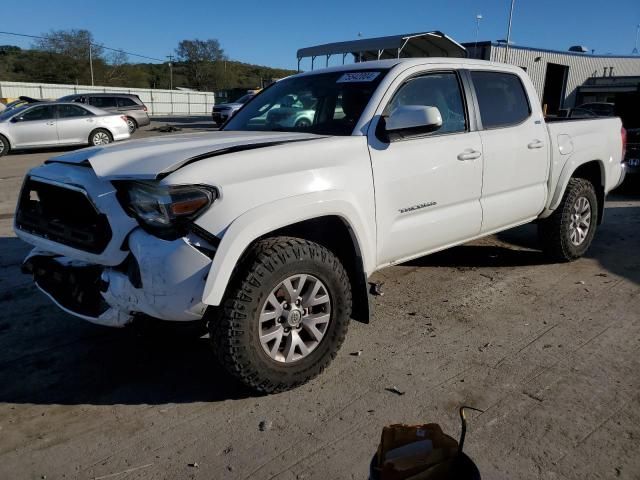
(407, 120)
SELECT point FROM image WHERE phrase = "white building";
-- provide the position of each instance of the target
(560, 77)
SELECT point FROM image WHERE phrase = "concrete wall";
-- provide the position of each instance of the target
(158, 102)
(581, 66)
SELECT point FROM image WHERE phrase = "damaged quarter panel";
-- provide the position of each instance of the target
(266, 189)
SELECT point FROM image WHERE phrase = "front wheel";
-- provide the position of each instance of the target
(303, 123)
(568, 232)
(285, 315)
(4, 146)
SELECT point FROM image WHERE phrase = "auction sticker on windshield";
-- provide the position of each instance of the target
(358, 77)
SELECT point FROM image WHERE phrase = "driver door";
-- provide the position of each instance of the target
(427, 186)
(35, 127)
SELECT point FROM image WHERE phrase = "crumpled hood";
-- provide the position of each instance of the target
(154, 157)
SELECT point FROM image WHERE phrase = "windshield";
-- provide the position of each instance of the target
(10, 112)
(326, 104)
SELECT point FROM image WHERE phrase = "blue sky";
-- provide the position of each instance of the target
(270, 32)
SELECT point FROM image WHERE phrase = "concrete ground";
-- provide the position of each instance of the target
(549, 352)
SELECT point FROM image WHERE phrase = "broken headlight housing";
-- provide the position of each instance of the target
(165, 209)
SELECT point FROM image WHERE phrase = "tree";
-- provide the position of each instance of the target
(202, 59)
(114, 72)
(73, 46)
(72, 43)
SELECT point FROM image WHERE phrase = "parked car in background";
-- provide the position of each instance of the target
(580, 113)
(128, 105)
(599, 109)
(632, 157)
(221, 113)
(53, 124)
(20, 102)
(292, 111)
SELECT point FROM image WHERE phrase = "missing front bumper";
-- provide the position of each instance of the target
(160, 279)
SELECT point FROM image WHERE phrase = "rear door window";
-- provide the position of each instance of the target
(103, 102)
(502, 99)
(126, 102)
(71, 111)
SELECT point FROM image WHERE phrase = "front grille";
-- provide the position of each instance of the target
(221, 109)
(63, 215)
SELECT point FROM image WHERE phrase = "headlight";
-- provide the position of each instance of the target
(166, 207)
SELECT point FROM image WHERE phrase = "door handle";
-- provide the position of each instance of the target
(469, 154)
(535, 144)
(50, 123)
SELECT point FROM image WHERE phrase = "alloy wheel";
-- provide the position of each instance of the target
(294, 318)
(580, 221)
(101, 138)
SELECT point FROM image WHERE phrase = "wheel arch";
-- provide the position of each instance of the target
(592, 170)
(330, 220)
(336, 234)
(8, 138)
(105, 129)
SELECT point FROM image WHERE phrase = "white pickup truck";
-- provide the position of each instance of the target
(268, 234)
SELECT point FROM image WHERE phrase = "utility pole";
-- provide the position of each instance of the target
(170, 57)
(506, 50)
(635, 49)
(91, 62)
(475, 44)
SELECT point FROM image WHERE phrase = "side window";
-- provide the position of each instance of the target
(502, 99)
(39, 113)
(441, 90)
(126, 102)
(71, 111)
(103, 102)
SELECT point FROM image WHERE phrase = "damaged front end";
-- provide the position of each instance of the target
(96, 259)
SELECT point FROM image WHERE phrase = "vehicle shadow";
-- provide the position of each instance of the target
(185, 126)
(30, 151)
(49, 357)
(514, 248)
(184, 123)
(616, 247)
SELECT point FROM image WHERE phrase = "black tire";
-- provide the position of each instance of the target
(555, 231)
(97, 134)
(303, 123)
(235, 329)
(132, 124)
(4, 146)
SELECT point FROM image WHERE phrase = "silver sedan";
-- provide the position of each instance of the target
(54, 124)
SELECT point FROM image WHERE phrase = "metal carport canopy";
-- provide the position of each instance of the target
(424, 44)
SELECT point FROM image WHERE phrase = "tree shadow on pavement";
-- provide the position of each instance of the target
(49, 357)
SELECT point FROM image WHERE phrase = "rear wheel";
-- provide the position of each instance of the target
(100, 136)
(285, 315)
(303, 123)
(4, 146)
(567, 234)
(132, 124)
